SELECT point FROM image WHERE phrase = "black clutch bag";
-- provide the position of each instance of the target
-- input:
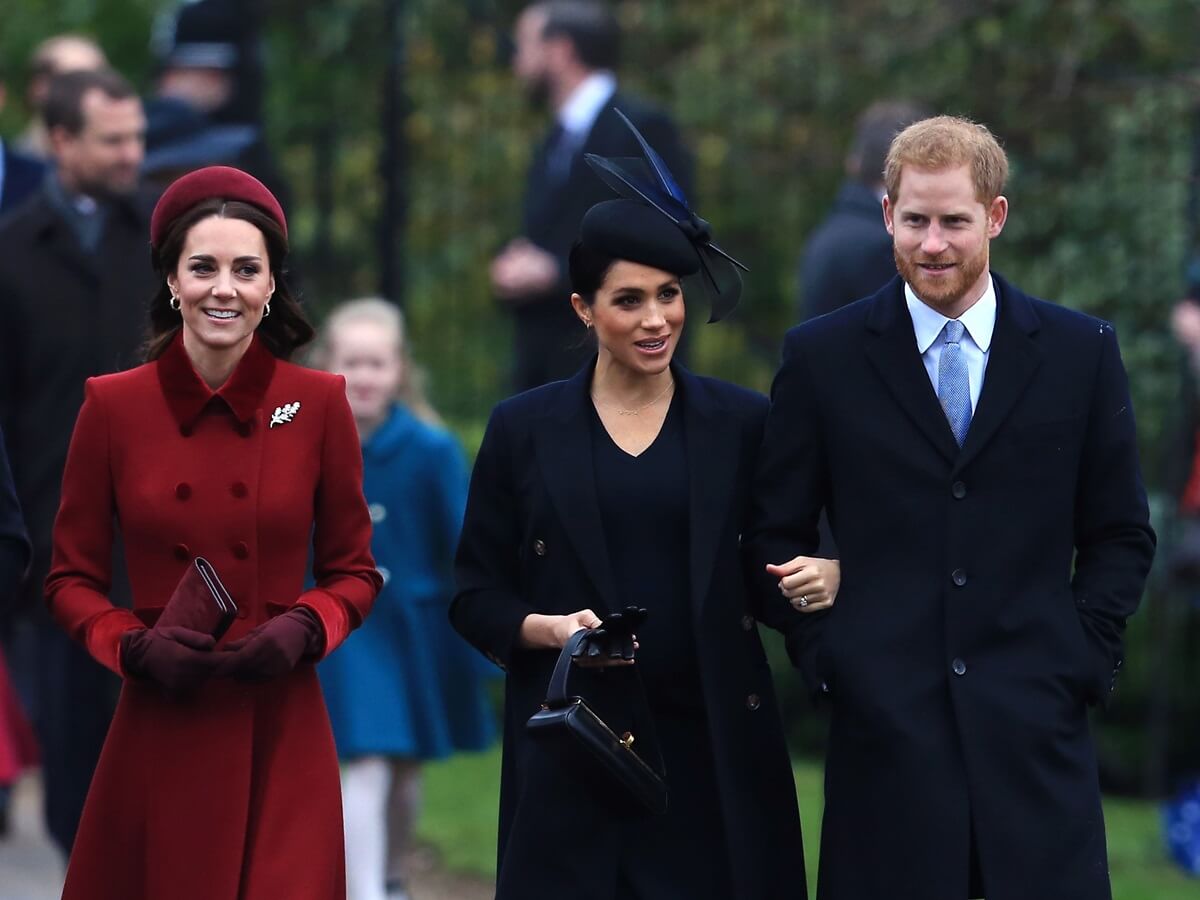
(568, 725)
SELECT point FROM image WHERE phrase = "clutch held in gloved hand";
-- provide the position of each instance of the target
(615, 636)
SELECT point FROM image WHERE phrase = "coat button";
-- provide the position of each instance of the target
(825, 687)
(244, 429)
(958, 490)
(239, 489)
(959, 667)
(747, 623)
(753, 701)
(185, 430)
(182, 553)
(539, 547)
(959, 577)
(183, 490)
(240, 550)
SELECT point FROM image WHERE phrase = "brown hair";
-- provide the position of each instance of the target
(383, 314)
(63, 107)
(283, 332)
(946, 142)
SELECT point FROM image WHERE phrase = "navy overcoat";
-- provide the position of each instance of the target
(984, 594)
(532, 541)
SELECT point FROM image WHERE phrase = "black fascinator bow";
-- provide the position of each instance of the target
(650, 181)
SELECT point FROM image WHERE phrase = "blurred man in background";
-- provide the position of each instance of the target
(206, 108)
(566, 54)
(56, 55)
(849, 256)
(75, 278)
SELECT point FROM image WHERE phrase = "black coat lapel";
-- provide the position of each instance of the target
(892, 349)
(1012, 361)
(712, 460)
(563, 444)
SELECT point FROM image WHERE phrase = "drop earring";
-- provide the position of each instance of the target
(175, 302)
(267, 309)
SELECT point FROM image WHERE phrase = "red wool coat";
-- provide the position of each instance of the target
(233, 794)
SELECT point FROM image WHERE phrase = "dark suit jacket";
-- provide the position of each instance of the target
(549, 339)
(14, 542)
(533, 541)
(849, 256)
(984, 593)
(22, 176)
(69, 315)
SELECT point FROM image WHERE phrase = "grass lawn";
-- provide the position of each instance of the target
(460, 820)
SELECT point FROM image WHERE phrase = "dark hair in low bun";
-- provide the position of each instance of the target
(588, 268)
(283, 332)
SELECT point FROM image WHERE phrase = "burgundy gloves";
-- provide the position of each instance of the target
(177, 659)
(274, 647)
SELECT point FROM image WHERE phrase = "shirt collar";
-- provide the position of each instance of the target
(578, 114)
(979, 321)
(187, 395)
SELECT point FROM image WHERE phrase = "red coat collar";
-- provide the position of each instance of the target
(187, 395)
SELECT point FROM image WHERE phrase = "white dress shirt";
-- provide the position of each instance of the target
(578, 114)
(978, 324)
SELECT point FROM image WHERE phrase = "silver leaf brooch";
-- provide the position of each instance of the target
(284, 414)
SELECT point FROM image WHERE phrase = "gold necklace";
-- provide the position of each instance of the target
(624, 411)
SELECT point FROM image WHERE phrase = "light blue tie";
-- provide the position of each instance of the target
(954, 386)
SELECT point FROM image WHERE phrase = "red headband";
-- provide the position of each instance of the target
(203, 184)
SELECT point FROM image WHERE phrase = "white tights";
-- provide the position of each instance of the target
(380, 799)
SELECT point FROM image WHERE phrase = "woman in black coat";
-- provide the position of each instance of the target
(627, 485)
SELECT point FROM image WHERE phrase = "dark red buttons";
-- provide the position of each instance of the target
(183, 490)
(240, 550)
(239, 489)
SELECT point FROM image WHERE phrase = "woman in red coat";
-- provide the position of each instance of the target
(219, 777)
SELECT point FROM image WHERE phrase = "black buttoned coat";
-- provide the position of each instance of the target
(532, 541)
(984, 594)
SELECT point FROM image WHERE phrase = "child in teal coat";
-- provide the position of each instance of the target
(405, 687)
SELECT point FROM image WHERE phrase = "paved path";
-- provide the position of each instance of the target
(30, 868)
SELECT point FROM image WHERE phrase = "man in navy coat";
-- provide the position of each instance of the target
(976, 451)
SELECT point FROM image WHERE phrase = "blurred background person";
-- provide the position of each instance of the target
(565, 60)
(55, 55)
(405, 688)
(849, 256)
(75, 279)
(18, 749)
(20, 174)
(206, 108)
